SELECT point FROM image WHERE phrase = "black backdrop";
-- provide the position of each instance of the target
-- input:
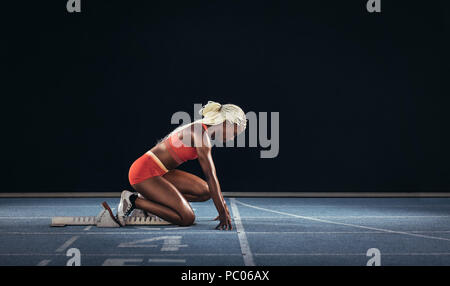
(363, 98)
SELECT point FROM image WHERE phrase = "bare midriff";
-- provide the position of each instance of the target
(160, 151)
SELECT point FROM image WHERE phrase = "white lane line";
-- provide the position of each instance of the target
(262, 217)
(120, 262)
(245, 247)
(44, 262)
(24, 217)
(216, 232)
(87, 228)
(341, 223)
(126, 254)
(357, 216)
(223, 254)
(12, 218)
(165, 228)
(432, 206)
(117, 233)
(351, 254)
(51, 206)
(163, 260)
(353, 207)
(67, 244)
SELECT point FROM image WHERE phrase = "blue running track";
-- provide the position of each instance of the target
(266, 231)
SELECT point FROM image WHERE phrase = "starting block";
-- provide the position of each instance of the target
(106, 218)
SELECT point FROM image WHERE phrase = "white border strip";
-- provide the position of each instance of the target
(245, 247)
(246, 194)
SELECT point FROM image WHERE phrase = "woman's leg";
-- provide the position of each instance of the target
(164, 200)
(193, 188)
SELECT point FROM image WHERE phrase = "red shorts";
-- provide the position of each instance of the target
(146, 166)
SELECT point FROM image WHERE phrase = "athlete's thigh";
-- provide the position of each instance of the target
(187, 183)
(160, 190)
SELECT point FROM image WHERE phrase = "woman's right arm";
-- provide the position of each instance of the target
(207, 165)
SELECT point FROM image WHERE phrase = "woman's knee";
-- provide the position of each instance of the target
(204, 192)
(187, 218)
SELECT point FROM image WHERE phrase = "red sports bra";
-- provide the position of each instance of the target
(180, 152)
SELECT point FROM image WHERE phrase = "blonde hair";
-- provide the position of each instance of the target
(215, 113)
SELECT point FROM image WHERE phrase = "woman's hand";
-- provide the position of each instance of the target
(225, 222)
(226, 208)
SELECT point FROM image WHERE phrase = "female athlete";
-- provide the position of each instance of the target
(163, 190)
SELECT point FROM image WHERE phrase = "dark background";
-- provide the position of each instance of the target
(363, 98)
